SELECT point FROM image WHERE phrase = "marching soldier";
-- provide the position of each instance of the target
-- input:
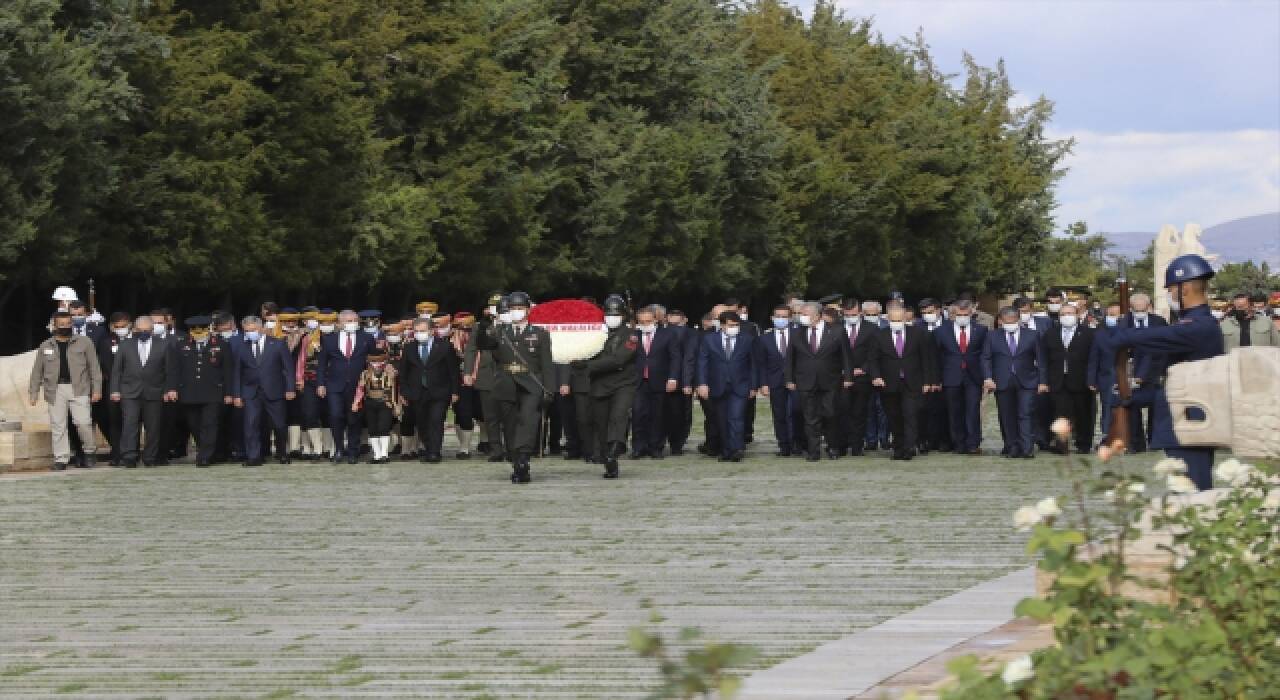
(478, 372)
(523, 380)
(612, 382)
(204, 383)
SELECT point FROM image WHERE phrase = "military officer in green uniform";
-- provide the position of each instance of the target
(612, 385)
(523, 381)
(204, 383)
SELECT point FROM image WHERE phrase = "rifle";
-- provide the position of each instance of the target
(1118, 431)
(93, 296)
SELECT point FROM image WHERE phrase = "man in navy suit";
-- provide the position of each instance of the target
(935, 428)
(1042, 410)
(854, 401)
(1102, 367)
(262, 380)
(960, 342)
(343, 354)
(658, 370)
(817, 368)
(1015, 368)
(678, 411)
(1148, 370)
(728, 376)
(775, 343)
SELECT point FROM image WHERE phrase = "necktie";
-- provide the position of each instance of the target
(648, 342)
(813, 339)
(853, 337)
(782, 344)
(964, 347)
(348, 350)
(422, 352)
(1013, 344)
(897, 345)
(255, 350)
(728, 346)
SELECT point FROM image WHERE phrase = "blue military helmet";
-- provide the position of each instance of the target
(1185, 268)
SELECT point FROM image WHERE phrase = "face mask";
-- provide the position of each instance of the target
(158, 329)
(1068, 321)
(78, 321)
(646, 328)
(1024, 317)
(491, 310)
(227, 335)
(327, 328)
(930, 318)
(897, 325)
(871, 318)
(142, 335)
(443, 332)
(1041, 314)
(351, 326)
(1219, 315)
(612, 321)
(1009, 327)
(312, 325)
(269, 325)
(252, 336)
(715, 325)
(377, 366)
(780, 323)
(62, 332)
(504, 317)
(731, 331)
(421, 336)
(962, 321)
(743, 316)
(120, 332)
(850, 320)
(804, 320)
(517, 315)
(393, 339)
(1111, 321)
(1055, 308)
(1142, 315)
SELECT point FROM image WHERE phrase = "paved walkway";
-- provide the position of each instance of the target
(447, 581)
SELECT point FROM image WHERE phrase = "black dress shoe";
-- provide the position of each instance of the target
(497, 458)
(129, 464)
(656, 455)
(782, 453)
(284, 460)
(735, 457)
(677, 452)
(202, 463)
(636, 455)
(463, 455)
(432, 459)
(856, 453)
(482, 447)
(573, 454)
(59, 466)
(145, 463)
(353, 460)
(722, 458)
(1026, 456)
(296, 454)
(833, 454)
(611, 468)
(812, 458)
(253, 463)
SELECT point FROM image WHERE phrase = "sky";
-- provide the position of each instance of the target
(1174, 104)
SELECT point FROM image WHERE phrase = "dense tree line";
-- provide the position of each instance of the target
(343, 150)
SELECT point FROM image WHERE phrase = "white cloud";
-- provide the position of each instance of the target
(1138, 181)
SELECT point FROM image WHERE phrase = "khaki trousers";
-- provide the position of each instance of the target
(65, 403)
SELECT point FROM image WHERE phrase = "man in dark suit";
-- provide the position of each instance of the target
(109, 420)
(1042, 404)
(853, 402)
(429, 383)
(775, 345)
(1102, 367)
(903, 367)
(960, 342)
(205, 367)
(143, 380)
(934, 426)
(658, 369)
(262, 380)
(817, 368)
(713, 441)
(728, 376)
(752, 329)
(678, 413)
(1069, 349)
(1014, 367)
(1148, 370)
(343, 355)
(231, 418)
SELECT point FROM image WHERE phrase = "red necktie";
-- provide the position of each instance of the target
(964, 347)
(813, 340)
(347, 352)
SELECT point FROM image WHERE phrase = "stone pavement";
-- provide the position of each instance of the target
(447, 581)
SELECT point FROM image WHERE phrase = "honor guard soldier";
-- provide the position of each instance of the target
(478, 372)
(611, 383)
(524, 377)
(1194, 336)
(204, 383)
(371, 323)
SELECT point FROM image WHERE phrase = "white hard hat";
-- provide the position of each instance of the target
(65, 294)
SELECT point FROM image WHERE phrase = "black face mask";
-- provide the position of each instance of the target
(142, 335)
(62, 332)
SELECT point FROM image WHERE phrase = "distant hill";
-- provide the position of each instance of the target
(1254, 238)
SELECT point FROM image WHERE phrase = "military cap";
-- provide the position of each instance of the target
(288, 314)
(519, 299)
(327, 316)
(464, 319)
(198, 322)
(830, 299)
(371, 313)
(309, 313)
(377, 352)
(614, 304)
(426, 307)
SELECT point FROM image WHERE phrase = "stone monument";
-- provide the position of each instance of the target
(25, 441)
(1170, 244)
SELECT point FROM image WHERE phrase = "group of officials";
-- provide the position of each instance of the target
(841, 376)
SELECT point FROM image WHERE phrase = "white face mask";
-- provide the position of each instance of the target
(421, 336)
(804, 320)
(493, 310)
(930, 318)
(327, 328)
(1055, 308)
(268, 324)
(350, 326)
(504, 317)
(1218, 314)
(743, 316)
(227, 335)
(850, 320)
(393, 339)
(732, 331)
(443, 332)
(157, 329)
(517, 315)
(962, 321)
(313, 324)
(648, 328)
(1068, 321)
(871, 318)
(897, 325)
(120, 332)
(1009, 327)
(1024, 317)
(780, 322)
(1142, 315)
(612, 321)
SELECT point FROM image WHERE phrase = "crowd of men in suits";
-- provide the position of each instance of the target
(841, 377)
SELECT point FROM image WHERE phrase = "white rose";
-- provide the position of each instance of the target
(1017, 671)
(1249, 557)
(1025, 518)
(1137, 488)
(1272, 501)
(1233, 472)
(1180, 484)
(1170, 465)
(1109, 496)
(1048, 508)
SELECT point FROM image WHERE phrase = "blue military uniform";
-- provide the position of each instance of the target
(1194, 336)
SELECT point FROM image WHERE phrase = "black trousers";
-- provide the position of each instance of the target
(464, 409)
(136, 415)
(1077, 407)
(647, 424)
(583, 413)
(264, 417)
(819, 407)
(377, 418)
(428, 418)
(903, 410)
(230, 433)
(177, 433)
(677, 414)
(935, 429)
(711, 426)
(749, 422)
(102, 418)
(521, 419)
(852, 405)
(203, 418)
(566, 415)
(781, 405)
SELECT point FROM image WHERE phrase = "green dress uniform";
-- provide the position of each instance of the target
(613, 382)
(523, 380)
(479, 365)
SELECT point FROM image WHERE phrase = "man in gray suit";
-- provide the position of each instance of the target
(143, 378)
